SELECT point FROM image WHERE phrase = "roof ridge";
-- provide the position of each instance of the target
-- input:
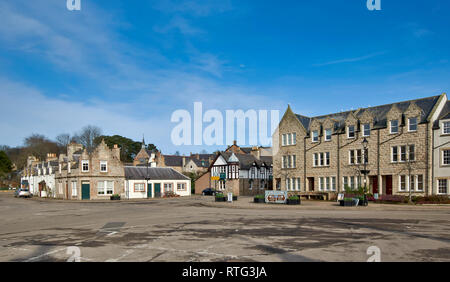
(372, 107)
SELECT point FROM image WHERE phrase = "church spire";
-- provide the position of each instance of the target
(143, 142)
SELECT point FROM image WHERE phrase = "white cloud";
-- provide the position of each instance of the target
(351, 60)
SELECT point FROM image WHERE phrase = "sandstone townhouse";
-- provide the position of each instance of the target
(390, 148)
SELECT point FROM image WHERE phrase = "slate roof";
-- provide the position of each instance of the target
(379, 113)
(172, 160)
(445, 114)
(154, 173)
(246, 160)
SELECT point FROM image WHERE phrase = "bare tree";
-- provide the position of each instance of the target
(63, 140)
(39, 146)
(87, 135)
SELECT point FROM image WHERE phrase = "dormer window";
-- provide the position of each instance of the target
(328, 134)
(412, 124)
(351, 131)
(85, 166)
(394, 126)
(366, 130)
(315, 136)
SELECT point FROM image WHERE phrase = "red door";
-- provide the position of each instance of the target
(375, 184)
(388, 184)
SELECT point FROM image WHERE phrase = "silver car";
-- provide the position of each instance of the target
(22, 193)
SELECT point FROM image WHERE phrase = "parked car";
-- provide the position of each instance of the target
(209, 192)
(22, 193)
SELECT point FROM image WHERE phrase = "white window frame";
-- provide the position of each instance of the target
(348, 132)
(392, 154)
(315, 132)
(439, 186)
(364, 129)
(409, 124)
(403, 153)
(443, 157)
(283, 140)
(293, 161)
(139, 190)
(328, 137)
(83, 162)
(409, 152)
(74, 189)
(105, 188)
(390, 126)
(106, 166)
(446, 127)
(333, 183)
(400, 183)
(417, 183)
(168, 185)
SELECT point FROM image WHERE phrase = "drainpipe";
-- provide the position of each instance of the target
(304, 163)
(338, 182)
(427, 160)
(378, 163)
(432, 161)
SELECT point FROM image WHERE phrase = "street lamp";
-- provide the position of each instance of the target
(365, 171)
(147, 160)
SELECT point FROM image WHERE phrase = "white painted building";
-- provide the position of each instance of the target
(441, 152)
(40, 179)
(154, 182)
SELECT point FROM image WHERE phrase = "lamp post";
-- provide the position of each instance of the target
(365, 171)
(147, 160)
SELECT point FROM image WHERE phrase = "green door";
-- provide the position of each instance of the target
(85, 192)
(158, 190)
(149, 190)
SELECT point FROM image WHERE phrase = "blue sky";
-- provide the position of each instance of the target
(126, 66)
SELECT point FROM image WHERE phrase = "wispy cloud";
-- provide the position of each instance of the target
(351, 60)
(179, 24)
(195, 8)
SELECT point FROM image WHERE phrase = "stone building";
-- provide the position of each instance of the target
(83, 176)
(325, 154)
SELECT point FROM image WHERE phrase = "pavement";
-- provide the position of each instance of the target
(198, 229)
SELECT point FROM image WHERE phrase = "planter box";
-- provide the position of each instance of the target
(347, 203)
(113, 198)
(221, 199)
(257, 200)
(293, 202)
